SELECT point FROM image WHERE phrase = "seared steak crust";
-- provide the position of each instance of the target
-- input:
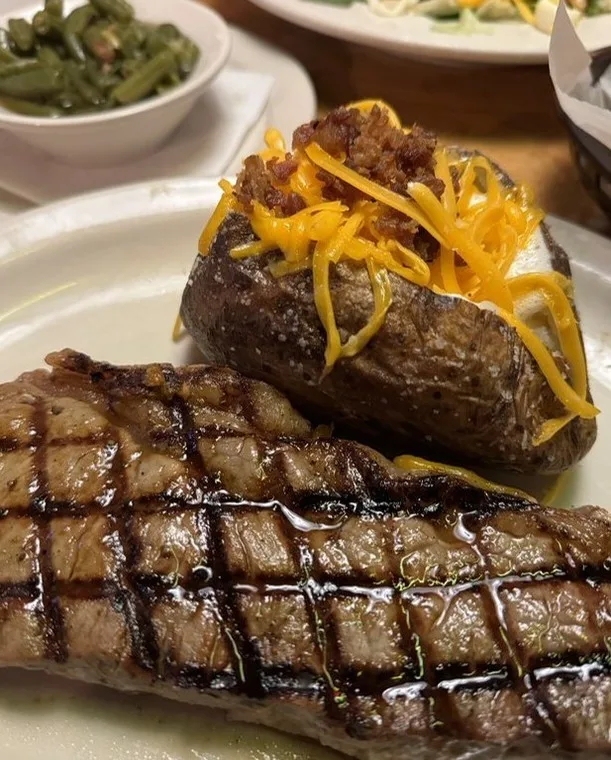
(184, 532)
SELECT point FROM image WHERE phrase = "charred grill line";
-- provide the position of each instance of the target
(602, 660)
(9, 444)
(341, 690)
(346, 506)
(49, 608)
(372, 476)
(247, 407)
(544, 710)
(303, 560)
(409, 637)
(489, 596)
(520, 673)
(130, 600)
(246, 661)
(28, 590)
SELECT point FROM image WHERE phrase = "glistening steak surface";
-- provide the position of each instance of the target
(183, 532)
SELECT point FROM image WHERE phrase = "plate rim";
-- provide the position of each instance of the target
(412, 48)
(23, 233)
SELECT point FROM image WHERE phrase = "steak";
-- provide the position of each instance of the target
(185, 532)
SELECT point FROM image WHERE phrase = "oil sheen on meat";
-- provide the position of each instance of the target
(185, 532)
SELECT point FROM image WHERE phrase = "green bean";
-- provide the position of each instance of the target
(187, 54)
(103, 82)
(21, 33)
(131, 37)
(32, 84)
(69, 101)
(55, 7)
(95, 57)
(74, 26)
(97, 44)
(130, 67)
(26, 108)
(48, 56)
(47, 25)
(41, 23)
(6, 56)
(19, 66)
(109, 32)
(85, 89)
(159, 37)
(169, 31)
(118, 9)
(146, 79)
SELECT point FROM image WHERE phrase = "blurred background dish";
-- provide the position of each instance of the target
(512, 42)
(96, 57)
(261, 87)
(121, 134)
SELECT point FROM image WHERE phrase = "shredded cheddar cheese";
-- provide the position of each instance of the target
(480, 225)
(227, 204)
(177, 331)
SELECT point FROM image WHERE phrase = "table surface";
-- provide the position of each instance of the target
(509, 113)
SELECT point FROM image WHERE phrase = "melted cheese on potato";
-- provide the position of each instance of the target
(492, 253)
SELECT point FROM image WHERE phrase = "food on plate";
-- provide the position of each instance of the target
(537, 13)
(397, 286)
(182, 531)
(97, 57)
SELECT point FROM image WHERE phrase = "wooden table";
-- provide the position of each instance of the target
(508, 113)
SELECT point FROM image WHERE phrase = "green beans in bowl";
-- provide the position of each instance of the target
(102, 81)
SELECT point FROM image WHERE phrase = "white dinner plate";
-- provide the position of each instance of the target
(409, 35)
(104, 274)
(39, 178)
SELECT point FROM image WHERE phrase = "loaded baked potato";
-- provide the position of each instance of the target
(396, 286)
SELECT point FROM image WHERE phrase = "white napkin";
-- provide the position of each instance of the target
(587, 105)
(204, 145)
(222, 118)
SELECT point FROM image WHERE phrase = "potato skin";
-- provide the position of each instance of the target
(441, 371)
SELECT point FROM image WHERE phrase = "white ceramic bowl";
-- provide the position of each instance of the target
(126, 133)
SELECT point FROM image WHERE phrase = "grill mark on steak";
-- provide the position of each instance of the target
(538, 709)
(245, 662)
(129, 598)
(48, 609)
(375, 511)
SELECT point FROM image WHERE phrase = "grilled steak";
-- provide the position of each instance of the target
(183, 532)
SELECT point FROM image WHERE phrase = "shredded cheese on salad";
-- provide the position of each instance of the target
(485, 228)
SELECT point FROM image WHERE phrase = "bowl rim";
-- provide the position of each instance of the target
(190, 85)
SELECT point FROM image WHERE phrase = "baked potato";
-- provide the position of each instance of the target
(412, 321)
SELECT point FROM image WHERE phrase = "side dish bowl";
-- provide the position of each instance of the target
(126, 133)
